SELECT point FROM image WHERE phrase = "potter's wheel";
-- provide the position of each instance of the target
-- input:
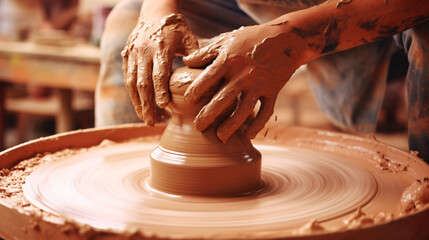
(313, 177)
(108, 188)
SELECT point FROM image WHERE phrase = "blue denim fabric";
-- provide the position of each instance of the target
(349, 86)
(415, 42)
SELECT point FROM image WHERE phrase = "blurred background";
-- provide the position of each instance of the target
(49, 63)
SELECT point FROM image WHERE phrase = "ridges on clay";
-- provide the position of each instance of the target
(188, 161)
(321, 139)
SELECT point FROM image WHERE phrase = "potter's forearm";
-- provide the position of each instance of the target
(153, 8)
(342, 24)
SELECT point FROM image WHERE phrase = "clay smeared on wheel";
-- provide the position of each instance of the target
(312, 183)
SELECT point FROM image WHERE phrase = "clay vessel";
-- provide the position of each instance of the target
(191, 162)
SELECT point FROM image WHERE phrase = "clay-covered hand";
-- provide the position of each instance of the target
(251, 64)
(147, 62)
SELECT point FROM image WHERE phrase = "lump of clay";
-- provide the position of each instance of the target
(416, 195)
(188, 161)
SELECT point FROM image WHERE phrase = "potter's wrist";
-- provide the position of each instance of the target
(303, 31)
(153, 10)
(307, 47)
(292, 44)
(163, 21)
(307, 53)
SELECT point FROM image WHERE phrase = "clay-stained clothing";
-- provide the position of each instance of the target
(415, 42)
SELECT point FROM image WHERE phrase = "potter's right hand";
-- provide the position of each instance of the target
(147, 61)
(251, 65)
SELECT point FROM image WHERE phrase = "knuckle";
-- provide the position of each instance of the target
(145, 105)
(161, 77)
(162, 94)
(237, 84)
(248, 106)
(129, 83)
(142, 85)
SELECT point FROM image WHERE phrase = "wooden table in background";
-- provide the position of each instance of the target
(64, 68)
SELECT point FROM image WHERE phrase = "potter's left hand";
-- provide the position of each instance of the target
(254, 67)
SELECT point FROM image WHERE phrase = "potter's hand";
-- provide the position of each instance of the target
(254, 67)
(147, 62)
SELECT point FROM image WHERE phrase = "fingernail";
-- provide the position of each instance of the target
(187, 58)
(200, 123)
(163, 100)
(250, 134)
(190, 57)
(189, 98)
(186, 97)
(162, 104)
(223, 137)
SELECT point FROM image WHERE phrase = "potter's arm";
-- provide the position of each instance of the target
(159, 36)
(257, 61)
(340, 25)
(155, 10)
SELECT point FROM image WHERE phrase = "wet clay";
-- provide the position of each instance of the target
(147, 61)
(318, 185)
(306, 192)
(248, 67)
(189, 185)
(188, 161)
(416, 195)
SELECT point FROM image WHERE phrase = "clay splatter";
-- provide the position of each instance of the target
(266, 132)
(331, 35)
(278, 24)
(343, 2)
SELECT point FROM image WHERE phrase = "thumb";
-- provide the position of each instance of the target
(201, 57)
(190, 43)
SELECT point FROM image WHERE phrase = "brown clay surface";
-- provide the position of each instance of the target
(308, 190)
(316, 185)
(188, 161)
(109, 188)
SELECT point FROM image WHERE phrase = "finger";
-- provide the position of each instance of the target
(249, 120)
(206, 80)
(244, 109)
(161, 114)
(130, 70)
(162, 64)
(264, 114)
(145, 90)
(202, 56)
(219, 103)
(190, 44)
(125, 56)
